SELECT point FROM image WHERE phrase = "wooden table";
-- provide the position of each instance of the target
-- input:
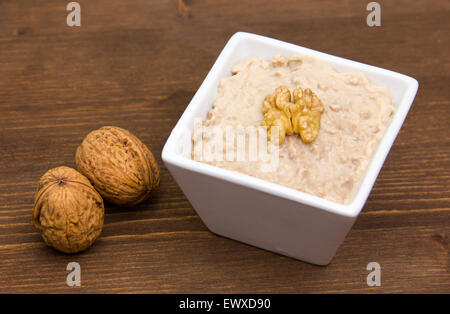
(137, 64)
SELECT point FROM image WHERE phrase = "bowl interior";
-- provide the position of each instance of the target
(244, 45)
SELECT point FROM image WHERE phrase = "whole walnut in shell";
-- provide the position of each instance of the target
(68, 211)
(121, 168)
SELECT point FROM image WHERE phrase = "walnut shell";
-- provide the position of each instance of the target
(68, 211)
(121, 168)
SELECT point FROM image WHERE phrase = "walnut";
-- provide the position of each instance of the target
(68, 211)
(306, 114)
(277, 114)
(121, 168)
(300, 117)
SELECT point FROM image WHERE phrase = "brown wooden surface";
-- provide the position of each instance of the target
(137, 64)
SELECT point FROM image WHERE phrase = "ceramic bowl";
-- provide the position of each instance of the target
(261, 213)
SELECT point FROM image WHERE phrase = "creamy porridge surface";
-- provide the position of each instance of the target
(357, 113)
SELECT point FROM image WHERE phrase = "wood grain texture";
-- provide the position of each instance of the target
(137, 64)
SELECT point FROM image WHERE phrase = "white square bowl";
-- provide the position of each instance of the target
(264, 214)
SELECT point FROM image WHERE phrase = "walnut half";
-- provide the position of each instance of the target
(285, 117)
(306, 114)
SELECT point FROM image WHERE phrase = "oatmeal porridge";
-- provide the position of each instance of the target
(355, 115)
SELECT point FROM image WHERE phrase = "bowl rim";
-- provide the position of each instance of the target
(352, 209)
